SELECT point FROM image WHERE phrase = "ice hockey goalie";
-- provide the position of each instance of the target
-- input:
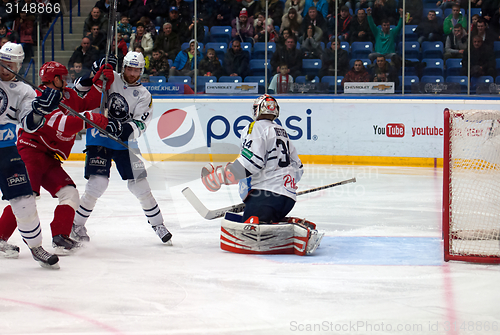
(293, 236)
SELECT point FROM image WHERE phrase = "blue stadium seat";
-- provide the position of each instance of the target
(220, 34)
(343, 45)
(302, 79)
(259, 49)
(481, 80)
(246, 46)
(261, 80)
(474, 11)
(496, 48)
(202, 80)
(409, 80)
(412, 49)
(258, 67)
(434, 67)
(453, 67)
(410, 35)
(180, 79)
(157, 79)
(207, 33)
(432, 79)
(219, 47)
(497, 80)
(229, 79)
(432, 49)
(484, 81)
(331, 83)
(361, 49)
(462, 80)
(311, 66)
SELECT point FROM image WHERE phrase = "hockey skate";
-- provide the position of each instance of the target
(79, 233)
(8, 250)
(63, 245)
(44, 258)
(163, 233)
(314, 241)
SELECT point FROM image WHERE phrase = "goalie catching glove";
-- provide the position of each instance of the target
(107, 71)
(213, 177)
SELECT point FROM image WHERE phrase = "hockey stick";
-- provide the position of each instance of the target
(71, 110)
(109, 46)
(217, 213)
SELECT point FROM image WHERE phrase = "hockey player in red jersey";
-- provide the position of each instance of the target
(268, 171)
(43, 150)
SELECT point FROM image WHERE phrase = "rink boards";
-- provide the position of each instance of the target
(369, 131)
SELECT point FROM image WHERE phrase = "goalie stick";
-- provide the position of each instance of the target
(217, 213)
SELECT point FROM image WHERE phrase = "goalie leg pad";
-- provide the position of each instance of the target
(294, 236)
(28, 223)
(95, 188)
(141, 189)
(253, 238)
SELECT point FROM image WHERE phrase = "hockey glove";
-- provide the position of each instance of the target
(47, 102)
(213, 178)
(107, 71)
(114, 127)
(97, 118)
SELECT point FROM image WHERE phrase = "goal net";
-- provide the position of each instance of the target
(471, 186)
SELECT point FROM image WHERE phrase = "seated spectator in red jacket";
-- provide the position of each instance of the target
(358, 74)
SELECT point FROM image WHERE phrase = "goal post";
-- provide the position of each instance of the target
(471, 186)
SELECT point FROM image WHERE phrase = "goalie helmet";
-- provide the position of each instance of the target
(265, 104)
(12, 52)
(134, 59)
(50, 70)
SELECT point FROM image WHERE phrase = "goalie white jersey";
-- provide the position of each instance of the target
(131, 104)
(15, 103)
(268, 154)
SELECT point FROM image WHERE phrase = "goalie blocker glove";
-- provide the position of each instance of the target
(47, 102)
(213, 177)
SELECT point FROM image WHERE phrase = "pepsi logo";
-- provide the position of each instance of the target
(175, 128)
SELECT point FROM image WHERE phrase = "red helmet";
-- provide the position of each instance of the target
(50, 70)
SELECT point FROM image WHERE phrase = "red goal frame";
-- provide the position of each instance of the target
(447, 190)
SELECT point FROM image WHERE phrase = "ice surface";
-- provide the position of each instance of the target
(379, 269)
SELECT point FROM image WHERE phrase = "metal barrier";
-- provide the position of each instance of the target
(31, 66)
(51, 32)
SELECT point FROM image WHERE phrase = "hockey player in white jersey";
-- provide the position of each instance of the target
(18, 105)
(130, 110)
(268, 170)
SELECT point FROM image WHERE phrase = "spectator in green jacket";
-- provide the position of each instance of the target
(385, 38)
(454, 18)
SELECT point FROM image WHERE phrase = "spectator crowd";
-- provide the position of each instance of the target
(355, 40)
